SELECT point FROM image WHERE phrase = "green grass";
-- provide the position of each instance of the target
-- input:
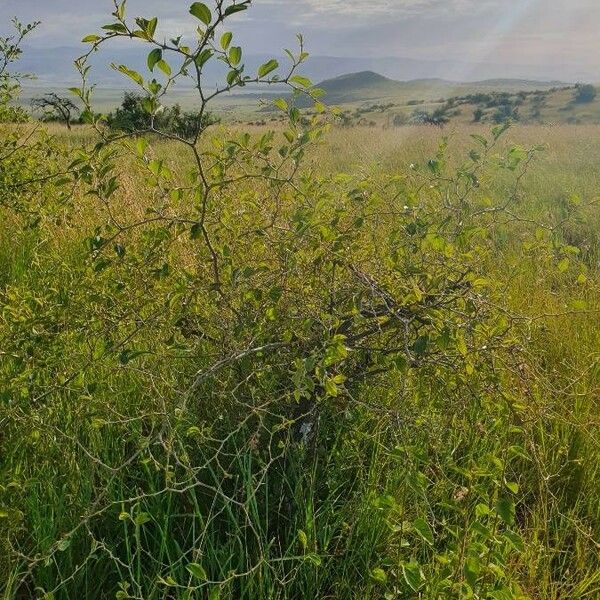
(110, 488)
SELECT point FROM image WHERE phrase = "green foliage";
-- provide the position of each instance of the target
(134, 116)
(584, 93)
(226, 375)
(10, 86)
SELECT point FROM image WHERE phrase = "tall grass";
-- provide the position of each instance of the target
(110, 489)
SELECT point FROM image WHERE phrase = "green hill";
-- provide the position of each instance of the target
(368, 86)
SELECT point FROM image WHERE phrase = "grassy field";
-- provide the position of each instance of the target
(340, 468)
(370, 99)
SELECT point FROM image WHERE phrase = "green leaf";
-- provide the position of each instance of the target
(379, 576)
(230, 10)
(412, 575)
(267, 68)
(121, 10)
(142, 518)
(281, 104)
(506, 510)
(154, 57)
(226, 40)
(315, 559)
(500, 129)
(164, 67)
(461, 345)
(515, 539)
(331, 389)
(422, 528)
(151, 27)
(154, 87)
(231, 77)
(513, 486)
(115, 27)
(203, 57)
(130, 73)
(304, 82)
(63, 545)
(195, 231)
(197, 571)
(235, 56)
(168, 581)
(564, 265)
(517, 153)
(421, 344)
(202, 12)
(472, 570)
(303, 539)
(91, 38)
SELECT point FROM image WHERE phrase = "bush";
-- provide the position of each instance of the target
(227, 375)
(505, 113)
(133, 117)
(584, 93)
(478, 115)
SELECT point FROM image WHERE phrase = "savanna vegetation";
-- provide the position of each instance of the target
(299, 362)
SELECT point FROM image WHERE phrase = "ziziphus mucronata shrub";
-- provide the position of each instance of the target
(261, 381)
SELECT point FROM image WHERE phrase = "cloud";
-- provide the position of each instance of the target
(342, 13)
(517, 32)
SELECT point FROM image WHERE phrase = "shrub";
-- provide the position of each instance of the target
(478, 114)
(133, 117)
(584, 93)
(239, 378)
(505, 113)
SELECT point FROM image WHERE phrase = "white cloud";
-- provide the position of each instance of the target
(516, 32)
(339, 10)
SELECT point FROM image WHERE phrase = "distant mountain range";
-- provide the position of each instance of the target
(54, 67)
(370, 86)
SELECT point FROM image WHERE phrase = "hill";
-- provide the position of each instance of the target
(369, 86)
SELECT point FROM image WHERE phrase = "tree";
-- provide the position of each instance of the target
(584, 93)
(505, 113)
(439, 117)
(478, 115)
(56, 108)
(133, 117)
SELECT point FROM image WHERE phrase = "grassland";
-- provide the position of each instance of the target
(426, 481)
(369, 98)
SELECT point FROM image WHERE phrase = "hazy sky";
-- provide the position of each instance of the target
(503, 31)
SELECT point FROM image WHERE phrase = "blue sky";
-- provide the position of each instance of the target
(502, 31)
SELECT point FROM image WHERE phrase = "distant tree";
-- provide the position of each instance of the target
(584, 93)
(438, 117)
(538, 102)
(441, 116)
(56, 108)
(478, 115)
(186, 125)
(505, 112)
(132, 117)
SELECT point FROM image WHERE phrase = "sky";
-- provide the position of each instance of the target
(511, 32)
